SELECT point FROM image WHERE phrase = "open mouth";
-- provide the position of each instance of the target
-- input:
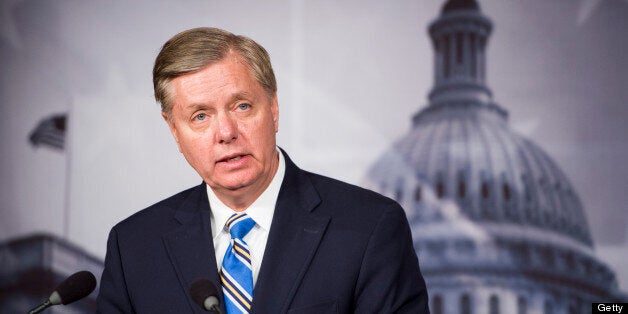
(232, 158)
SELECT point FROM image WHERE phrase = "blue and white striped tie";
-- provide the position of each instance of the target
(236, 275)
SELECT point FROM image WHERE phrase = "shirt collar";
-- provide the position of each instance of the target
(261, 210)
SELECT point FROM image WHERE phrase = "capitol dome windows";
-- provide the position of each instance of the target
(486, 192)
(473, 55)
(417, 194)
(506, 192)
(587, 266)
(520, 252)
(445, 56)
(493, 304)
(547, 257)
(435, 248)
(485, 187)
(570, 262)
(508, 200)
(459, 47)
(399, 191)
(522, 305)
(440, 186)
(465, 304)
(576, 306)
(548, 307)
(437, 304)
(530, 207)
(462, 187)
(464, 247)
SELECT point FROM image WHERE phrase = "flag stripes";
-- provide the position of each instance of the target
(50, 132)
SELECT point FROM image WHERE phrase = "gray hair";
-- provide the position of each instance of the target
(194, 49)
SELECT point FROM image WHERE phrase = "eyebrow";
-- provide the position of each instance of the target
(237, 96)
(195, 106)
(240, 96)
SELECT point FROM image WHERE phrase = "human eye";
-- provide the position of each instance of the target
(200, 117)
(244, 106)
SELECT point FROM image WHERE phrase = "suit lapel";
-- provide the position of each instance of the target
(190, 245)
(295, 234)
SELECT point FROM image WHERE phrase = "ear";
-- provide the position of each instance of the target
(274, 109)
(172, 128)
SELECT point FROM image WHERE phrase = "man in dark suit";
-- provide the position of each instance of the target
(272, 237)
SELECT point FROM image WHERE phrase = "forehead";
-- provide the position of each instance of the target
(220, 79)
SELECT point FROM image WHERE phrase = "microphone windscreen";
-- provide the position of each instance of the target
(76, 287)
(201, 289)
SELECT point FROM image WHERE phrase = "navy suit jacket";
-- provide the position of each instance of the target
(332, 248)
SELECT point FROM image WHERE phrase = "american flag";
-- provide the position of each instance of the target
(50, 131)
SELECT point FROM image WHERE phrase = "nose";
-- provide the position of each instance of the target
(227, 129)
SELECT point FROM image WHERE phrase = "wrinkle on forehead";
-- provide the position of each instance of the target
(223, 84)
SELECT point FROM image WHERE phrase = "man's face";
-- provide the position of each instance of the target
(225, 124)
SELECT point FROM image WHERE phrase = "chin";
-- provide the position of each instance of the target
(235, 185)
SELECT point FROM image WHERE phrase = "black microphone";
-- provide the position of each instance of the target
(74, 288)
(204, 293)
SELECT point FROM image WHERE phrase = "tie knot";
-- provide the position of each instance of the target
(239, 225)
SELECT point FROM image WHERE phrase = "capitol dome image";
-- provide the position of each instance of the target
(497, 225)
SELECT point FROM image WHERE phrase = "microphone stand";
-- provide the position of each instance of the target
(41, 307)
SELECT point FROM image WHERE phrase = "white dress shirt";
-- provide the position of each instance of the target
(261, 211)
